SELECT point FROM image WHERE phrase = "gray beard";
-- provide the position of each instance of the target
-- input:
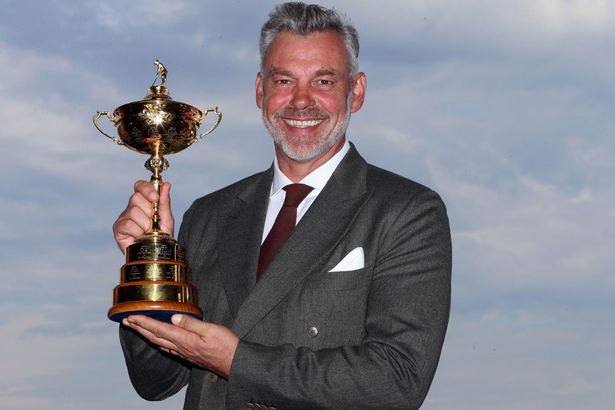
(323, 145)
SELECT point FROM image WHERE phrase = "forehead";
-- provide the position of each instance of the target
(313, 51)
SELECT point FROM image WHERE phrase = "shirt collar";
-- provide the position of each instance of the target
(317, 179)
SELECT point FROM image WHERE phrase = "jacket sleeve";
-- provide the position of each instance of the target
(154, 375)
(405, 324)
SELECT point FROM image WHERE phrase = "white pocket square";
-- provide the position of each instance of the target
(353, 261)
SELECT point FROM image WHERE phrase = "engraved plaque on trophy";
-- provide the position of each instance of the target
(155, 280)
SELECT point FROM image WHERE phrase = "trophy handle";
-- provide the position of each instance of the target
(106, 114)
(218, 119)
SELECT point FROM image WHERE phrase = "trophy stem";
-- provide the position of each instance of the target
(156, 164)
(156, 180)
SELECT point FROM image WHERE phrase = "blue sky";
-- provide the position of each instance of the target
(505, 108)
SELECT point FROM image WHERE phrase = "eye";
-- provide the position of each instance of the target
(325, 82)
(282, 81)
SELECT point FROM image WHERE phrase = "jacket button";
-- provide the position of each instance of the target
(313, 331)
(212, 377)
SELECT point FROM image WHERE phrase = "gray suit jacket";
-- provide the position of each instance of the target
(311, 338)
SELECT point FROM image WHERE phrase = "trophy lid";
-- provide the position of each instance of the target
(158, 92)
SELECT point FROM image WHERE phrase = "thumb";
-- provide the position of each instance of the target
(190, 324)
(167, 223)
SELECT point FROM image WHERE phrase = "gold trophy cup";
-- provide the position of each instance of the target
(155, 280)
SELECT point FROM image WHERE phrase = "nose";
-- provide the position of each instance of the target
(302, 97)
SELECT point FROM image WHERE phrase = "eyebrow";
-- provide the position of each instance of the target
(325, 71)
(279, 71)
(318, 73)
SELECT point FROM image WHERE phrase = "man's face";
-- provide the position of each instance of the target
(306, 95)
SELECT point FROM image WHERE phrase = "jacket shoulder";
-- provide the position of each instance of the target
(208, 208)
(383, 182)
(232, 190)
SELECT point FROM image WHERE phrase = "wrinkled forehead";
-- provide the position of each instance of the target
(319, 51)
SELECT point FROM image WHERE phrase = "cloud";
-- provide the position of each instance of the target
(47, 368)
(45, 123)
(562, 16)
(536, 236)
(504, 109)
(540, 20)
(528, 355)
(151, 13)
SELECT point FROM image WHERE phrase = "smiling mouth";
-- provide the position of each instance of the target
(302, 123)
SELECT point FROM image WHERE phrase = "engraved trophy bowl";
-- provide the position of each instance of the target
(155, 280)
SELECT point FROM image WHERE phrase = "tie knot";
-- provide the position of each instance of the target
(295, 193)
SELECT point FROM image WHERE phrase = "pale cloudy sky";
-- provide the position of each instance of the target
(504, 107)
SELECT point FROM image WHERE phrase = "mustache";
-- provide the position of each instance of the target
(311, 112)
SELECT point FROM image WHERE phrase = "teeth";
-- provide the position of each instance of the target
(302, 124)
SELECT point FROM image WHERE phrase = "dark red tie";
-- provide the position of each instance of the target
(283, 225)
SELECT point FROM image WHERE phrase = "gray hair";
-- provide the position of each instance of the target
(301, 18)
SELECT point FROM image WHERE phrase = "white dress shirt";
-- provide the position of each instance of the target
(317, 179)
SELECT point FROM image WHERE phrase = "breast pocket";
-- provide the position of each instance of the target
(341, 280)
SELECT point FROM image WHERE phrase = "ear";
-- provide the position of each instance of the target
(358, 91)
(259, 90)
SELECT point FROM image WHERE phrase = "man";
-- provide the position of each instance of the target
(352, 310)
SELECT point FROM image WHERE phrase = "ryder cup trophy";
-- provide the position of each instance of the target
(155, 280)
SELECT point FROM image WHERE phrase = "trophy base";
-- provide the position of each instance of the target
(154, 281)
(162, 310)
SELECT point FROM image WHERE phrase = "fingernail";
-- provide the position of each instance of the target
(176, 319)
(125, 322)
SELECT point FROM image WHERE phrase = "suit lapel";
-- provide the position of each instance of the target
(318, 232)
(239, 239)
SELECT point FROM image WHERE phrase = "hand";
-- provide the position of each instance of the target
(205, 344)
(137, 217)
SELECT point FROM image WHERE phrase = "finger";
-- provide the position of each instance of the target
(146, 189)
(142, 200)
(125, 228)
(146, 195)
(190, 324)
(164, 344)
(167, 223)
(168, 351)
(135, 220)
(158, 329)
(125, 232)
(159, 333)
(140, 212)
